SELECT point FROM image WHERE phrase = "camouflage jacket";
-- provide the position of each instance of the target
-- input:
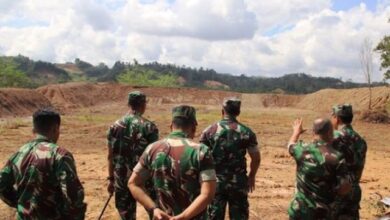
(177, 166)
(321, 170)
(354, 149)
(128, 138)
(41, 182)
(229, 141)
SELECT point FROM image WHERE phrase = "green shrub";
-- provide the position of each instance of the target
(10, 76)
(144, 77)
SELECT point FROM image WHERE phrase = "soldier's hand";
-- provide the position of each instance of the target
(158, 214)
(178, 217)
(110, 187)
(252, 183)
(297, 126)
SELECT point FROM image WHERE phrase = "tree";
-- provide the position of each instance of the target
(366, 62)
(10, 76)
(384, 49)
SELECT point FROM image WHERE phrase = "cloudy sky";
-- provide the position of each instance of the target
(253, 37)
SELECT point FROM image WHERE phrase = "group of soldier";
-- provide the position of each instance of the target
(177, 178)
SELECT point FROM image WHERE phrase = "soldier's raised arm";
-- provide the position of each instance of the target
(71, 187)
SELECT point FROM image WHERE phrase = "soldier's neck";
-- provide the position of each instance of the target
(134, 112)
(230, 117)
(323, 139)
(44, 137)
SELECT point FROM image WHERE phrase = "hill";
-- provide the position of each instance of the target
(21, 71)
(72, 96)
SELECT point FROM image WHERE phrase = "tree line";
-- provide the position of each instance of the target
(21, 71)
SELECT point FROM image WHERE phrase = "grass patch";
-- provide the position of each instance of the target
(13, 124)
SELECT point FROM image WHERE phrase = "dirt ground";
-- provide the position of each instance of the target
(84, 133)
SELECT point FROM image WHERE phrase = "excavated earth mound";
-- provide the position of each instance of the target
(20, 102)
(270, 100)
(69, 96)
(75, 95)
(359, 98)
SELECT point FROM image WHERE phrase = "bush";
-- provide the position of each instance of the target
(375, 116)
(143, 77)
(10, 76)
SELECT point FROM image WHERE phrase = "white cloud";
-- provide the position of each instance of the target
(268, 38)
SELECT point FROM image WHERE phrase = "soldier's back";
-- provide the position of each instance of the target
(38, 172)
(129, 137)
(177, 165)
(320, 168)
(229, 141)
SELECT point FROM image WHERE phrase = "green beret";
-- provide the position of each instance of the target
(343, 110)
(136, 97)
(184, 111)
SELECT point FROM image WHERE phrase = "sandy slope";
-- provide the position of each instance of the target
(90, 108)
(83, 133)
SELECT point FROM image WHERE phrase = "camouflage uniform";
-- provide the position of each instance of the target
(354, 149)
(41, 182)
(229, 141)
(128, 138)
(320, 171)
(177, 166)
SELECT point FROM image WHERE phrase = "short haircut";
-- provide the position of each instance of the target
(45, 120)
(181, 122)
(232, 110)
(346, 119)
(322, 126)
(136, 103)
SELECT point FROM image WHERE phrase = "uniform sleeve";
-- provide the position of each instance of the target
(7, 180)
(71, 187)
(205, 137)
(143, 167)
(343, 176)
(153, 133)
(206, 162)
(115, 132)
(253, 145)
(295, 149)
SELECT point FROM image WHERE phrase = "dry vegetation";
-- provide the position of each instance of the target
(84, 132)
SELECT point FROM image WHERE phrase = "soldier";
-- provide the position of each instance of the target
(182, 171)
(40, 180)
(229, 141)
(354, 148)
(321, 173)
(127, 140)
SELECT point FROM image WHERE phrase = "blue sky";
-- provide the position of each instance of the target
(347, 4)
(252, 37)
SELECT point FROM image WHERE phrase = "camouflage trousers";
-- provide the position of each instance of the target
(124, 201)
(234, 192)
(304, 208)
(349, 205)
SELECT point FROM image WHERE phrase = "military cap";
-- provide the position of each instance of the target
(136, 97)
(184, 111)
(342, 110)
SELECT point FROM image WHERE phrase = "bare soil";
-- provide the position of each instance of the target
(89, 114)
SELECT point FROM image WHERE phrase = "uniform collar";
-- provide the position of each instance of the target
(345, 126)
(131, 112)
(177, 134)
(41, 138)
(229, 118)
